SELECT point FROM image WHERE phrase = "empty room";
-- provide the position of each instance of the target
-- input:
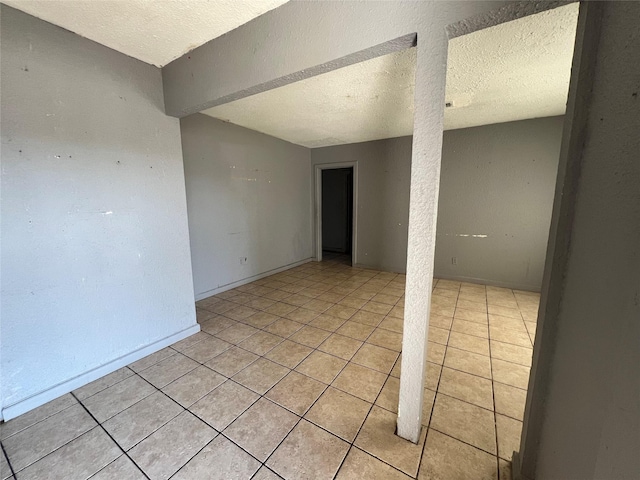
(319, 239)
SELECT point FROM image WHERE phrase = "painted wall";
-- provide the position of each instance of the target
(248, 195)
(384, 171)
(496, 193)
(582, 418)
(95, 249)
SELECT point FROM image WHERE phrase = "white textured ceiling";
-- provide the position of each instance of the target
(513, 71)
(154, 31)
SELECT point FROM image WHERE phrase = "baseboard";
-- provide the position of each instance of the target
(493, 283)
(67, 386)
(244, 281)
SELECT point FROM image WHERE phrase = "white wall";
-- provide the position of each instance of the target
(95, 252)
(248, 195)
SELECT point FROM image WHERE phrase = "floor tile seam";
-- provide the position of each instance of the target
(99, 425)
(6, 457)
(35, 423)
(466, 443)
(433, 407)
(493, 398)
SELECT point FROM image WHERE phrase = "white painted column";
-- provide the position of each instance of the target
(423, 209)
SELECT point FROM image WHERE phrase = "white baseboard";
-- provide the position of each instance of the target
(244, 281)
(67, 386)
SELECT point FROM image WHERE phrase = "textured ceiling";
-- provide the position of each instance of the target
(154, 31)
(512, 71)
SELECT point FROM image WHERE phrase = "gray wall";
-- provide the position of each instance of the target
(496, 193)
(248, 195)
(95, 248)
(582, 419)
(384, 169)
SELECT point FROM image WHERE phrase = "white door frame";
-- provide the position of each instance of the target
(318, 210)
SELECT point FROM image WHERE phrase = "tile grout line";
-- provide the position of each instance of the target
(112, 439)
(493, 398)
(4, 452)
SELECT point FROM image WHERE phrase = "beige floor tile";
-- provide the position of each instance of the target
(302, 315)
(261, 375)
(360, 381)
(340, 413)
(469, 343)
(389, 395)
(435, 353)
(327, 322)
(189, 341)
(191, 387)
(231, 361)
(511, 353)
(385, 338)
(308, 452)
(318, 305)
(377, 307)
(261, 319)
(204, 350)
(352, 301)
(503, 311)
(468, 362)
(310, 336)
(508, 432)
(480, 307)
(510, 401)
(377, 437)
(168, 370)
(438, 335)
(388, 299)
(508, 335)
(265, 474)
(393, 324)
(466, 387)
(446, 458)
(261, 428)
(341, 311)
(142, 419)
(236, 334)
(330, 297)
(470, 328)
(396, 312)
(120, 469)
(445, 292)
(5, 470)
(40, 439)
(280, 308)
(78, 459)
(443, 300)
(152, 359)
(239, 313)
(261, 342)
(432, 375)
(440, 321)
(510, 373)
(444, 311)
(355, 330)
(224, 404)
(36, 415)
(102, 383)
(220, 460)
(473, 296)
(428, 399)
(260, 303)
(340, 346)
(359, 465)
(376, 358)
(471, 316)
(466, 422)
(529, 315)
(506, 322)
(216, 324)
(161, 454)
(289, 354)
(116, 398)
(321, 366)
(367, 318)
(284, 327)
(296, 392)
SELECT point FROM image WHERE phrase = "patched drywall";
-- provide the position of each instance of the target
(248, 197)
(512, 71)
(155, 32)
(384, 171)
(95, 247)
(496, 192)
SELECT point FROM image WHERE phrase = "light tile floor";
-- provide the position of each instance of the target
(296, 376)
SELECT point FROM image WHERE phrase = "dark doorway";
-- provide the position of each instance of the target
(337, 210)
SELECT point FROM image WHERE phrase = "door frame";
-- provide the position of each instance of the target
(318, 207)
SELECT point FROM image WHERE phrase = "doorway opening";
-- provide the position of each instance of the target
(336, 200)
